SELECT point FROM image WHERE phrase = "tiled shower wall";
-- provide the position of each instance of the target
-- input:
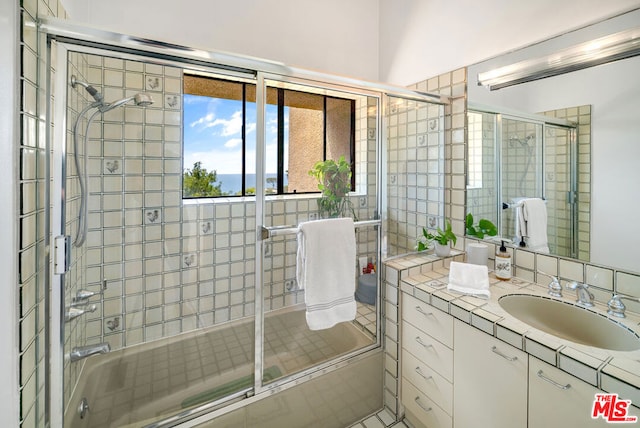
(415, 169)
(32, 281)
(452, 84)
(170, 265)
(481, 196)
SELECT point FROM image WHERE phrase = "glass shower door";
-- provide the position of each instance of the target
(157, 302)
(306, 124)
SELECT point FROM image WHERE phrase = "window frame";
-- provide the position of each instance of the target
(280, 138)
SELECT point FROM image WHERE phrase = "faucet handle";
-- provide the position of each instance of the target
(555, 289)
(74, 312)
(616, 307)
(83, 295)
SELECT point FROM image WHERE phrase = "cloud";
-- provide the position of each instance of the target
(234, 142)
(231, 126)
(205, 120)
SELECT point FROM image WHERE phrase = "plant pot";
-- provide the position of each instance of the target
(442, 250)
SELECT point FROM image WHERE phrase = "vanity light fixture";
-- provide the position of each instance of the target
(599, 51)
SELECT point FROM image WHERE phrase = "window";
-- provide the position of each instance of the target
(220, 137)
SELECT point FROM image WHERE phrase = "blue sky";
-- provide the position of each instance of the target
(213, 134)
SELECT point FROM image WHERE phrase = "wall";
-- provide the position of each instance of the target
(306, 33)
(420, 38)
(32, 228)
(10, 28)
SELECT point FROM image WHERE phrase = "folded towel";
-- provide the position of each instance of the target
(326, 270)
(520, 226)
(469, 279)
(534, 214)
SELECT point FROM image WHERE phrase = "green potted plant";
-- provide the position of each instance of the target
(484, 227)
(442, 240)
(334, 181)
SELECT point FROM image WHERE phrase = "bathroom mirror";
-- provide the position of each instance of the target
(609, 149)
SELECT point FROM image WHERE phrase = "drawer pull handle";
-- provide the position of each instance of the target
(425, 377)
(506, 357)
(419, 340)
(553, 382)
(426, 314)
(422, 406)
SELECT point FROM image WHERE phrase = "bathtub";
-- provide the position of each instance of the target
(139, 385)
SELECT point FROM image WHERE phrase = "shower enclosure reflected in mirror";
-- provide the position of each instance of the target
(511, 158)
(611, 92)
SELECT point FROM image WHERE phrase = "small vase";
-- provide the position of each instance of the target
(442, 250)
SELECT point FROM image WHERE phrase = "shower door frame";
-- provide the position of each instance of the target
(83, 38)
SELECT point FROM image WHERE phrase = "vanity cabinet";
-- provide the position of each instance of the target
(427, 364)
(490, 381)
(558, 399)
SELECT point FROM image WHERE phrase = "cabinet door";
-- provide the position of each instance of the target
(557, 399)
(489, 381)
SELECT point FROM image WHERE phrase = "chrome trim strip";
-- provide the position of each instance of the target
(267, 232)
(261, 141)
(58, 152)
(514, 114)
(87, 36)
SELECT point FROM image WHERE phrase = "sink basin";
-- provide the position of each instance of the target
(570, 322)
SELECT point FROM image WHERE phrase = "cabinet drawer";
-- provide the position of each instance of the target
(428, 381)
(428, 319)
(428, 350)
(421, 411)
(558, 399)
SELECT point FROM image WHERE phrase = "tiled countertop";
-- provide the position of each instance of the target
(425, 277)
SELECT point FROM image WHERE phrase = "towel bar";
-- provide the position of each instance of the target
(506, 205)
(267, 232)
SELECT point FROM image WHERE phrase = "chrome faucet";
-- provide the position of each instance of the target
(81, 352)
(616, 307)
(75, 312)
(555, 289)
(585, 297)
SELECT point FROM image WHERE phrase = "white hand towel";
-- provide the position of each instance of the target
(534, 212)
(326, 270)
(469, 279)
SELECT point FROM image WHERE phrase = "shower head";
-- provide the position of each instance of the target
(92, 91)
(140, 99)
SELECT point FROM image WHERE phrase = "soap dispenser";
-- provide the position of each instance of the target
(503, 263)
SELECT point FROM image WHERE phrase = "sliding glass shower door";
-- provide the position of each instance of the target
(169, 301)
(156, 301)
(306, 123)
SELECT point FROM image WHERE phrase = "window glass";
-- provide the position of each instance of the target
(220, 116)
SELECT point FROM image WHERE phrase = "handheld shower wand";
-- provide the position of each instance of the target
(140, 99)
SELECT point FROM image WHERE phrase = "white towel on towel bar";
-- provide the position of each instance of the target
(534, 217)
(326, 270)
